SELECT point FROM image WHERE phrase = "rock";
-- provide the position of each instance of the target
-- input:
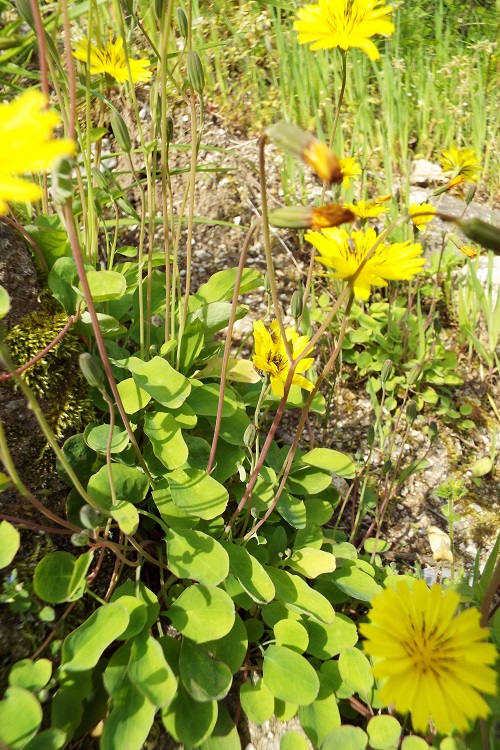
(424, 172)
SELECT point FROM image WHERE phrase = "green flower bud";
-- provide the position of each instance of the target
(62, 184)
(249, 436)
(470, 194)
(411, 411)
(170, 130)
(433, 431)
(370, 436)
(195, 72)
(296, 304)
(266, 283)
(92, 370)
(386, 371)
(183, 22)
(414, 374)
(90, 517)
(120, 131)
(307, 148)
(80, 538)
(479, 231)
(99, 179)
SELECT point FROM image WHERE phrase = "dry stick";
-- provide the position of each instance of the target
(303, 418)
(33, 526)
(71, 229)
(71, 70)
(229, 334)
(72, 319)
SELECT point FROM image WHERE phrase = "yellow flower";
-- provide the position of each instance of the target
(420, 208)
(26, 135)
(367, 209)
(345, 254)
(270, 356)
(344, 24)
(469, 251)
(431, 661)
(112, 60)
(462, 163)
(349, 168)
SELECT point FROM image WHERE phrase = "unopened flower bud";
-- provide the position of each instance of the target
(411, 411)
(470, 194)
(370, 436)
(99, 179)
(170, 129)
(310, 217)
(267, 284)
(195, 72)
(414, 374)
(479, 231)
(90, 517)
(62, 184)
(80, 538)
(307, 148)
(249, 436)
(296, 304)
(433, 431)
(386, 371)
(120, 131)
(183, 22)
(91, 370)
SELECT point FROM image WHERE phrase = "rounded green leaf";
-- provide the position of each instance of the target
(299, 597)
(158, 378)
(345, 737)
(204, 401)
(482, 467)
(80, 457)
(203, 613)
(9, 543)
(150, 672)
(289, 676)
(137, 614)
(249, 573)
(20, 717)
(49, 739)
(192, 554)
(53, 574)
(130, 485)
(106, 285)
(355, 582)
(284, 710)
(225, 733)
(383, 732)
(126, 516)
(414, 743)
(29, 674)
(257, 701)
(291, 634)
(308, 480)
(232, 648)
(197, 493)
(378, 545)
(166, 438)
(83, 647)
(4, 302)
(330, 460)
(355, 670)
(327, 640)
(293, 741)
(129, 722)
(187, 721)
(205, 678)
(322, 715)
(97, 439)
(311, 562)
(133, 397)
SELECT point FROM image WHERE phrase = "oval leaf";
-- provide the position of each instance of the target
(197, 493)
(9, 543)
(330, 460)
(289, 676)
(384, 732)
(203, 613)
(192, 554)
(204, 678)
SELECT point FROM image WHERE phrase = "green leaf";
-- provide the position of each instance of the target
(355, 670)
(203, 613)
(204, 678)
(482, 467)
(225, 734)
(49, 739)
(62, 281)
(355, 582)
(332, 461)
(166, 438)
(187, 721)
(4, 302)
(52, 240)
(299, 597)
(231, 648)
(414, 743)
(215, 316)
(292, 510)
(20, 717)
(10, 540)
(160, 380)
(30, 675)
(250, 573)
(106, 285)
(311, 562)
(109, 326)
(308, 481)
(128, 724)
(97, 439)
(129, 482)
(197, 493)
(293, 741)
(137, 614)
(149, 671)
(83, 647)
(291, 634)
(192, 341)
(192, 554)
(289, 676)
(67, 703)
(80, 457)
(257, 701)
(322, 715)
(204, 400)
(126, 516)
(345, 737)
(133, 397)
(141, 592)
(59, 576)
(220, 286)
(383, 732)
(328, 640)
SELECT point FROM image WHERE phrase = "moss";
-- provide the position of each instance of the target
(56, 378)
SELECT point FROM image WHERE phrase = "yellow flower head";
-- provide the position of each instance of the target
(431, 661)
(112, 60)
(462, 163)
(345, 254)
(367, 209)
(421, 208)
(344, 24)
(349, 168)
(469, 251)
(270, 356)
(26, 135)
